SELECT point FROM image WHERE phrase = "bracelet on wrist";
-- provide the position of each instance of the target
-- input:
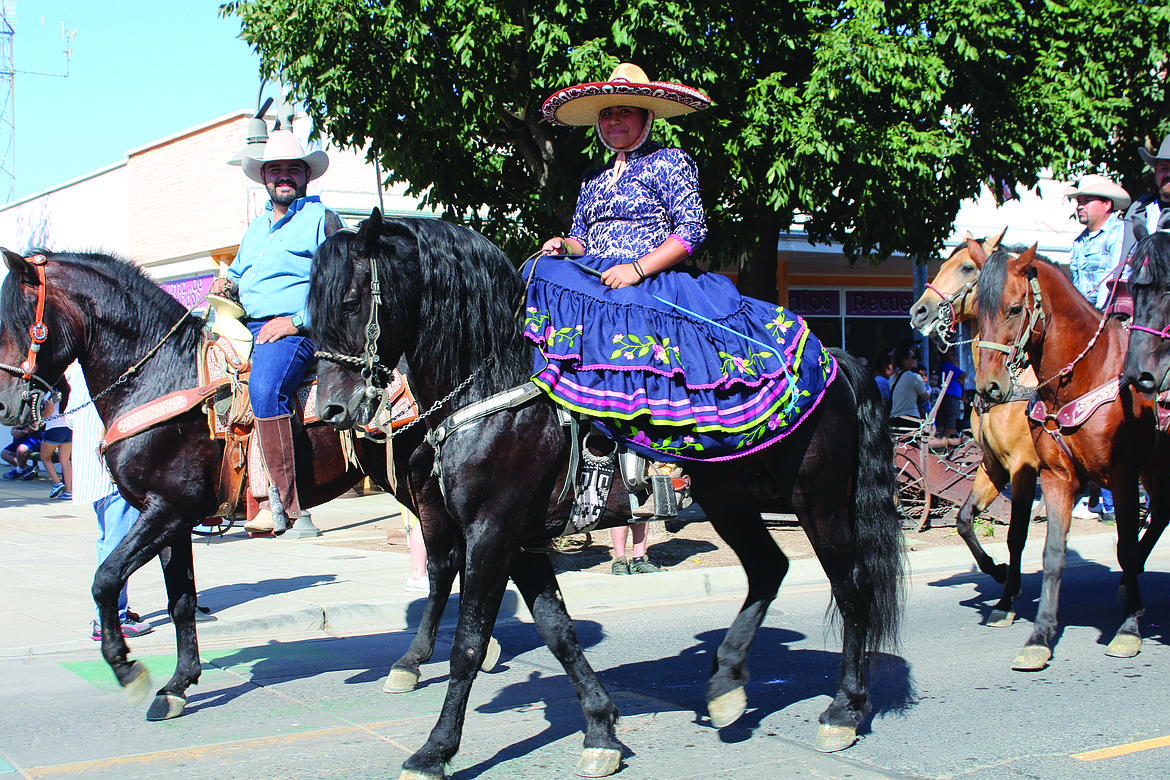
(638, 268)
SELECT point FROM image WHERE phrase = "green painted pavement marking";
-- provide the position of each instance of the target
(5, 767)
(271, 660)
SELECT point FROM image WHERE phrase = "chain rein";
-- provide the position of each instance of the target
(376, 375)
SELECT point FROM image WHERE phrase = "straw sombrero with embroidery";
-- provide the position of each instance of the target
(627, 86)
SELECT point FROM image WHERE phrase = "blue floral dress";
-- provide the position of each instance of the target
(679, 366)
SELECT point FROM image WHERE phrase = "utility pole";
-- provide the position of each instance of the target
(8, 73)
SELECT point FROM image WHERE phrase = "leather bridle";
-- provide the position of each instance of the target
(1017, 355)
(38, 332)
(947, 317)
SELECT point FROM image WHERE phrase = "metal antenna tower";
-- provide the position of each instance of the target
(8, 73)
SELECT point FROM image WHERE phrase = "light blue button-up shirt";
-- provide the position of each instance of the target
(273, 263)
(1093, 257)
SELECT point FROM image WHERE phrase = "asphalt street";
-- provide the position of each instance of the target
(293, 670)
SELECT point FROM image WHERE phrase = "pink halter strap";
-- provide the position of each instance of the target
(1163, 334)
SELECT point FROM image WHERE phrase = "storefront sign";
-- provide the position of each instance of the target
(815, 303)
(189, 291)
(878, 303)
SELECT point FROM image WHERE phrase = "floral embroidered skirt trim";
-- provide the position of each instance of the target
(678, 367)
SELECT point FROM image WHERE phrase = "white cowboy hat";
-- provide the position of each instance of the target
(1163, 153)
(627, 86)
(283, 145)
(1100, 187)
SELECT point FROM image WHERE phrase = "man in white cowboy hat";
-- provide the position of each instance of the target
(1094, 258)
(271, 276)
(1096, 252)
(1150, 212)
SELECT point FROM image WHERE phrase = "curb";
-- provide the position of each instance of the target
(585, 591)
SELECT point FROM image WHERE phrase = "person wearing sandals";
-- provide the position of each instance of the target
(667, 359)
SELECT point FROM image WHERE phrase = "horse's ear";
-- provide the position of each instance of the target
(371, 229)
(992, 244)
(19, 266)
(1026, 261)
(975, 251)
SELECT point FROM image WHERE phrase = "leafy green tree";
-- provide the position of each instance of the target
(867, 122)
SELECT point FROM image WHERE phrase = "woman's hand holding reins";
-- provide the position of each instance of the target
(622, 275)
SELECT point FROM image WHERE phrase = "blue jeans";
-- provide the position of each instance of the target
(277, 369)
(114, 517)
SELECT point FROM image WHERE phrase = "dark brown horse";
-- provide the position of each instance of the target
(446, 299)
(1002, 431)
(1029, 311)
(107, 314)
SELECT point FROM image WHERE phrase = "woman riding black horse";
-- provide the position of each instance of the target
(446, 300)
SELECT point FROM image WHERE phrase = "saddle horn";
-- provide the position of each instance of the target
(227, 324)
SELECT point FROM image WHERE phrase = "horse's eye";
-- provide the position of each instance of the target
(1014, 311)
(349, 308)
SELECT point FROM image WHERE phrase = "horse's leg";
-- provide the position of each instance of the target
(179, 575)
(1023, 491)
(1059, 495)
(444, 560)
(1128, 640)
(156, 525)
(1158, 489)
(488, 560)
(534, 576)
(983, 492)
(738, 522)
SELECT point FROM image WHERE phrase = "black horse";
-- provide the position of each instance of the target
(107, 314)
(1147, 361)
(448, 301)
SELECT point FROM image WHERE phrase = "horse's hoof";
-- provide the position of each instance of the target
(598, 762)
(400, 681)
(1032, 658)
(1124, 646)
(166, 706)
(1001, 618)
(491, 657)
(726, 709)
(830, 739)
(139, 684)
(410, 774)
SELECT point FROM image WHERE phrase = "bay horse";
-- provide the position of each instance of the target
(1002, 431)
(446, 298)
(1086, 424)
(107, 314)
(1147, 364)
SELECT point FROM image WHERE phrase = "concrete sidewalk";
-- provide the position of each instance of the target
(283, 586)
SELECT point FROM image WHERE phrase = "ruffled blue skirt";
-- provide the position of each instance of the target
(678, 367)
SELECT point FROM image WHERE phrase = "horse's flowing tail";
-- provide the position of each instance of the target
(876, 526)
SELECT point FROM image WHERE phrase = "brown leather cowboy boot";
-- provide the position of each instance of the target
(276, 446)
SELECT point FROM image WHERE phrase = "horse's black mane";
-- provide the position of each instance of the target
(463, 288)
(130, 298)
(989, 291)
(1150, 261)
